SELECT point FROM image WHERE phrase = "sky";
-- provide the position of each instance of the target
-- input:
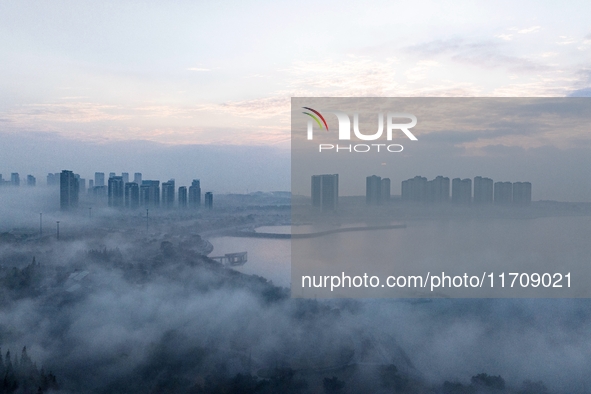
(202, 73)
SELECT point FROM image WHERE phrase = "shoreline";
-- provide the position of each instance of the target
(254, 234)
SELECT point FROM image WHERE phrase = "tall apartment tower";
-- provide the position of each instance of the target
(99, 179)
(116, 192)
(385, 190)
(373, 190)
(195, 194)
(15, 179)
(503, 192)
(150, 194)
(438, 189)
(53, 179)
(125, 176)
(137, 178)
(325, 191)
(414, 189)
(483, 190)
(183, 197)
(168, 194)
(461, 191)
(31, 181)
(132, 195)
(209, 200)
(81, 182)
(68, 190)
(522, 193)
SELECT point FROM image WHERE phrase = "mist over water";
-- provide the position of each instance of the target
(111, 307)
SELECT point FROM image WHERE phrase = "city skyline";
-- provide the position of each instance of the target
(377, 190)
(324, 191)
(117, 193)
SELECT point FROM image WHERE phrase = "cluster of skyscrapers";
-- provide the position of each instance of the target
(15, 180)
(485, 191)
(377, 190)
(325, 191)
(119, 192)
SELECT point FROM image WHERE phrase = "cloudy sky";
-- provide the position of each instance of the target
(201, 72)
(189, 72)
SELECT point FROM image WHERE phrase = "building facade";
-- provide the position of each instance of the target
(461, 191)
(325, 191)
(116, 192)
(483, 190)
(209, 200)
(69, 190)
(168, 194)
(183, 197)
(195, 194)
(373, 190)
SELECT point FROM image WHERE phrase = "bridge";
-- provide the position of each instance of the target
(231, 259)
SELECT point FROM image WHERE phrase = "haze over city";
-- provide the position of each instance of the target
(141, 287)
(125, 82)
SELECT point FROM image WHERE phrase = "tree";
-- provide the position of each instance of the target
(485, 380)
(333, 385)
(392, 379)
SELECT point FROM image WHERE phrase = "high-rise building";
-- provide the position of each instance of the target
(461, 191)
(116, 191)
(132, 195)
(522, 193)
(373, 190)
(99, 179)
(195, 194)
(31, 180)
(483, 190)
(15, 179)
(81, 183)
(168, 194)
(90, 185)
(503, 192)
(183, 197)
(209, 200)
(112, 174)
(125, 176)
(1, 180)
(137, 178)
(150, 193)
(325, 191)
(438, 190)
(385, 190)
(53, 179)
(414, 189)
(68, 190)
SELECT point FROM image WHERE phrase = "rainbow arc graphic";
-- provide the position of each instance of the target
(313, 116)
